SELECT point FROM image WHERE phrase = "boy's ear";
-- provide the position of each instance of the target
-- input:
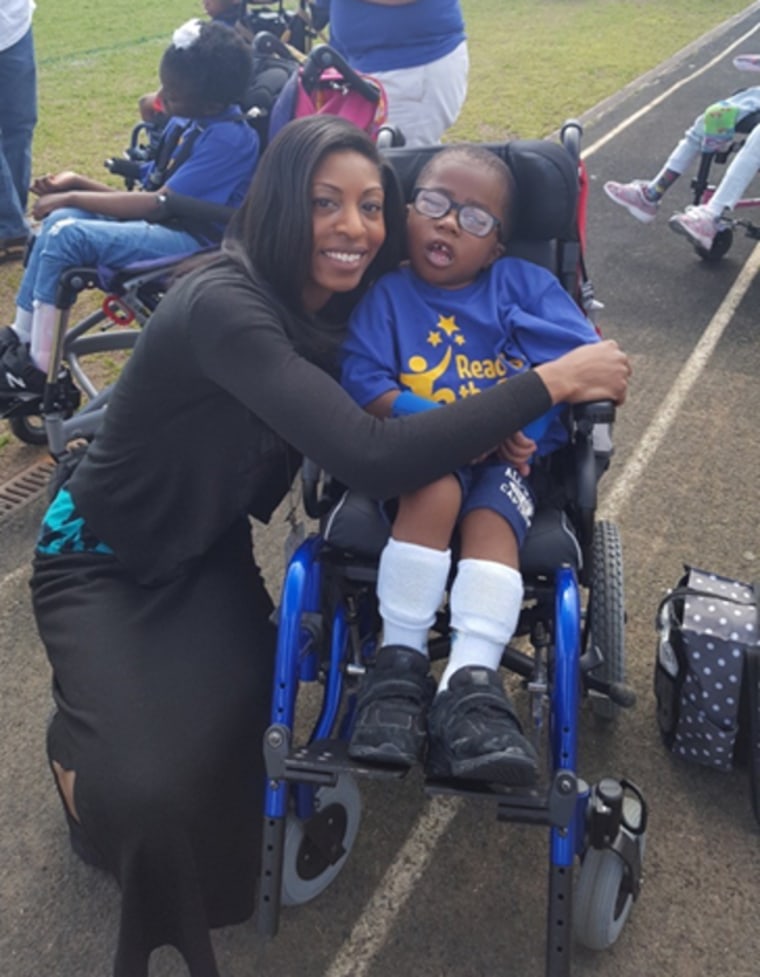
(497, 251)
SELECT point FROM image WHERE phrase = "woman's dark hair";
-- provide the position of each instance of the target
(274, 224)
(480, 157)
(214, 68)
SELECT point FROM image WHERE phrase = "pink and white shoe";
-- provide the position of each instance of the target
(632, 197)
(697, 224)
(747, 62)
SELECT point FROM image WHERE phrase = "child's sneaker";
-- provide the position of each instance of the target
(391, 708)
(474, 734)
(697, 224)
(632, 197)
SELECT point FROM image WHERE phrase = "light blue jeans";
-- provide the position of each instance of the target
(69, 238)
(18, 116)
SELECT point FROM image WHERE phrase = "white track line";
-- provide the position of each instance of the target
(380, 912)
(645, 109)
(655, 434)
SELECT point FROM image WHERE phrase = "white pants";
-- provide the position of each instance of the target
(747, 101)
(738, 176)
(425, 100)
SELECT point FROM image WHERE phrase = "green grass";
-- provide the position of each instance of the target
(533, 64)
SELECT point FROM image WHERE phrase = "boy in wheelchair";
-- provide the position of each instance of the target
(459, 319)
(208, 153)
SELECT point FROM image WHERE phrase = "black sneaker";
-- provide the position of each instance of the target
(475, 735)
(18, 374)
(9, 339)
(391, 708)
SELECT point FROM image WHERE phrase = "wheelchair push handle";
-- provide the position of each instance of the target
(266, 43)
(323, 57)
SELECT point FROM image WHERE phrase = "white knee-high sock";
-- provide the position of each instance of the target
(44, 319)
(485, 602)
(22, 324)
(411, 583)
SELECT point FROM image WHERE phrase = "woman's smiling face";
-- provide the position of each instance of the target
(348, 225)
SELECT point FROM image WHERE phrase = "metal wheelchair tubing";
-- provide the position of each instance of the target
(300, 593)
(565, 698)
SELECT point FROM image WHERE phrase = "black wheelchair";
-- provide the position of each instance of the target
(569, 646)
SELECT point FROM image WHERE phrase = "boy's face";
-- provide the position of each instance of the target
(440, 251)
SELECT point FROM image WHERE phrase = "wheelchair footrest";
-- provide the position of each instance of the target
(552, 805)
(321, 762)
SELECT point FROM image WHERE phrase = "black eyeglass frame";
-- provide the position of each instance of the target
(458, 208)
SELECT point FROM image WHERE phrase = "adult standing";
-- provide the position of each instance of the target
(417, 49)
(18, 117)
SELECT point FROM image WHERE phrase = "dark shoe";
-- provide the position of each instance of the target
(18, 374)
(391, 708)
(475, 735)
(9, 339)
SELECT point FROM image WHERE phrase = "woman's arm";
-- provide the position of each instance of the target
(252, 359)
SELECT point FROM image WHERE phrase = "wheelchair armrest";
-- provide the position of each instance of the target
(591, 461)
(128, 168)
(594, 412)
(181, 205)
(320, 491)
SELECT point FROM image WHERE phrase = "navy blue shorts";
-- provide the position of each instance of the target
(501, 488)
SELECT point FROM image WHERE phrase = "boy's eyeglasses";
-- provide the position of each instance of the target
(471, 218)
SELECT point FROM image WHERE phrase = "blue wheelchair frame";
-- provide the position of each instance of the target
(293, 775)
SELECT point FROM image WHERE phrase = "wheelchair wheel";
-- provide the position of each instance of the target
(30, 428)
(606, 608)
(603, 899)
(307, 869)
(721, 246)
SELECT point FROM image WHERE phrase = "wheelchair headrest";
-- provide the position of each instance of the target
(546, 184)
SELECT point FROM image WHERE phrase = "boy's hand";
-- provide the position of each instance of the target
(46, 204)
(517, 450)
(55, 183)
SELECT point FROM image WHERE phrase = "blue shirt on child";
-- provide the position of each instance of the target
(443, 344)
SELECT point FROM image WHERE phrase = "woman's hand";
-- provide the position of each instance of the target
(597, 371)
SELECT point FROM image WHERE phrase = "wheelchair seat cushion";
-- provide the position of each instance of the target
(358, 525)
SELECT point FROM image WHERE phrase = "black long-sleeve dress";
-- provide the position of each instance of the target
(162, 649)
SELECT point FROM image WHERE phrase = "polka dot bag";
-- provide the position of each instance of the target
(707, 642)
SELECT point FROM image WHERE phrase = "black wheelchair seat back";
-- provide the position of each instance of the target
(546, 197)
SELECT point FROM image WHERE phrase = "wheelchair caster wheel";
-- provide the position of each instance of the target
(607, 614)
(603, 895)
(316, 849)
(721, 246)
(30, 428)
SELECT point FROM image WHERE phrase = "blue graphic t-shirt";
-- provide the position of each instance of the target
(443, 344)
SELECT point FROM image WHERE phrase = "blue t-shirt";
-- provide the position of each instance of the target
(444, 344)
(221, 161)
(373, 37)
